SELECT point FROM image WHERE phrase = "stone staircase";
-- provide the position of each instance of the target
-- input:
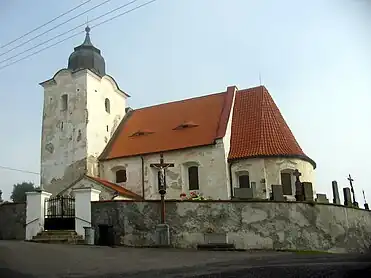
(58, 237)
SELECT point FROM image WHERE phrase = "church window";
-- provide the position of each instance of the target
(107, 105)
(121, 176)
(193, 182)
(286, 181)
(64, 102)
(107, 128)
(61, 125)
(244, 181)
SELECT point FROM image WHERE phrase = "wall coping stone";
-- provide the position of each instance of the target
(311, 203)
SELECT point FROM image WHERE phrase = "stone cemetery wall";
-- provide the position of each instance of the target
(12, 221)
(249, 225)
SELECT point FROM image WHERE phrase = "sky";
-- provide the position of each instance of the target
(313, 56)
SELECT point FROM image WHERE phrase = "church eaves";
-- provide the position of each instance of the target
(259, 129)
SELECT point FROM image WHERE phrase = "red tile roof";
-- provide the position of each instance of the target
(209, 115)
(259, 129)
(119, 189)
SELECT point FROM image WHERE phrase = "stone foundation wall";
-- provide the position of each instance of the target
(249, 225)
(12, 221)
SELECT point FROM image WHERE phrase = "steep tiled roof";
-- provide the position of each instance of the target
(259, 129)
(119, 189)
(208, 116)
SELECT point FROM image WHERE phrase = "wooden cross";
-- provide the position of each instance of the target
(297, 174)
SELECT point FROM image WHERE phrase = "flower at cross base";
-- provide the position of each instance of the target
(183, 196)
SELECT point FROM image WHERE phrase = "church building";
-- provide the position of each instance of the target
(229, 144)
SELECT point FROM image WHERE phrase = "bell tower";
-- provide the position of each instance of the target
(82, 108)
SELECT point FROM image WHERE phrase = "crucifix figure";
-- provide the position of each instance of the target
(299, 194)
(162, 166)
(352, 189)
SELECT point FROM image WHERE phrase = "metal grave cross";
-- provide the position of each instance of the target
(162, 166)
(299, 190)
(351, 187)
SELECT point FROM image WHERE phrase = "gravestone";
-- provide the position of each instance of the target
(246, 193)
(277, 192)
(322, 198)
(347, 197)
(335, 193)
(308, 191)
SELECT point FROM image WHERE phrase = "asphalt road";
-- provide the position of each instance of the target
(29, 260)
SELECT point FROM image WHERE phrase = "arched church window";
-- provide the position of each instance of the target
(64, 102)
(107, 105)
(121, 176)
(244, 180)
(193, 182)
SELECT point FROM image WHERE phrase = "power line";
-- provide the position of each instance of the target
(55, 27)
(18, 170)
(68, 31)
(50, 21)
(45, 48)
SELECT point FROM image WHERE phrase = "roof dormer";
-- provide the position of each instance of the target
(141, 132)
(184, 125)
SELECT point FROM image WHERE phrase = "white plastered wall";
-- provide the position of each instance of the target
(267, 171)
(101, 124)
(73, 138)
(63, 139)
(212, 172)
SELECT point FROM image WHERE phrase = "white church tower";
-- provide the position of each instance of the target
(82, 108)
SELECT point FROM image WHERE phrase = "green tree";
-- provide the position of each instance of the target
(19, 191)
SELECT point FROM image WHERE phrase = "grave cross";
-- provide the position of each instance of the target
(297, 174)
(299, 194)
(364, 197)
(351, 186)
(162, 190)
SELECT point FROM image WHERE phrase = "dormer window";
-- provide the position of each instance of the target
(186, 125)
(141, 133)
